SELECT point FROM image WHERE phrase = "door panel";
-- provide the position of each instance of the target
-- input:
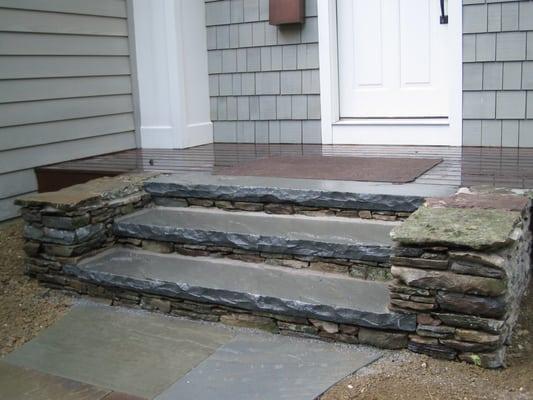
(415, 43)
(392, 57)
(367, 22)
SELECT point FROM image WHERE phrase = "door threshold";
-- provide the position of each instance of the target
(393, 121)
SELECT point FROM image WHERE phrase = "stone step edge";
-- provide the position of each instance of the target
(274, 195)
(266, 244)
(274, 323)
(246, 301)
(281, 208)
(367, 270)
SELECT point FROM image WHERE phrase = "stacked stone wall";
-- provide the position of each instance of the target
(65, 226)
(463, 270)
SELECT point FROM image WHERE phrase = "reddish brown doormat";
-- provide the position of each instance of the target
(369, 169)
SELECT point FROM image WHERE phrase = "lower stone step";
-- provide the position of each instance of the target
(246, 287)
(330, 244)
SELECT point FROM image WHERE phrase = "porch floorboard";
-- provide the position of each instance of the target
(461, 166)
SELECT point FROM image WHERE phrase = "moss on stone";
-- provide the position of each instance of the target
(455, 227)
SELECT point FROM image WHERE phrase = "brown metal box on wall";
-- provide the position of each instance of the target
(287, 12)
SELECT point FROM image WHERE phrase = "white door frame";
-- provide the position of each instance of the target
(169, 60)
(413, 131)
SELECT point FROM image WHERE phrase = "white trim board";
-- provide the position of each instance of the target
(170, 50)
(393, 121)
(394, 132)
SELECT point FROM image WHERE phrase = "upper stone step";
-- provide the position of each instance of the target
(247, 286)
(371, 196)
(328, 237)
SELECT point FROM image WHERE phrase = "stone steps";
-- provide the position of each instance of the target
(460, 263)
(244, 286)
(287, 196)
(333, 244)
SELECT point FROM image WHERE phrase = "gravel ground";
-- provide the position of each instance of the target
(409, 376)
(26, 307)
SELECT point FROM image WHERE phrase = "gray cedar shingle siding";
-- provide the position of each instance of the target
(498, 73)
(264, 81)
(497, 84)
(65, 87)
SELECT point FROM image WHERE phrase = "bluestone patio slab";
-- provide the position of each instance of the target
(17, 383)
(257, 231)
(255, 287)
(131, 352)
(260, 367)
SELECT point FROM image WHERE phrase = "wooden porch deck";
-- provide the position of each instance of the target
(467, 166)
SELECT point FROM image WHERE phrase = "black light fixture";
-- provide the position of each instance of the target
(443, 15)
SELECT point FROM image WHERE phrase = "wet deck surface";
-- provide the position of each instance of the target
(464, 166)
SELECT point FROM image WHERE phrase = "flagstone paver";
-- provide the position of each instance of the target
(135, 353)
(121, 396)
(261, 367)
(107, 353)
(17, 383)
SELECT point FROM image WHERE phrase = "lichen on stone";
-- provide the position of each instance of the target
(458, 228)
(73, 197)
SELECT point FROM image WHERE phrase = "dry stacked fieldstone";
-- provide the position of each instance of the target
(74, 222)
(298, 326)
(281, 208)
(360, 269)
(462, 264)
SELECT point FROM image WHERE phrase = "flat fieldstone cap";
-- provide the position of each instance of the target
(458, 227)
(106, 188)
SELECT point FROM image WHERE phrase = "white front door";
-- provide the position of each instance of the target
(392, 59)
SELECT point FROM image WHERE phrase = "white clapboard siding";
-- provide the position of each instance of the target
(46, 22)
(62, 88)
(65, 87)
(50, 66)
(109, 8)
(44, 44)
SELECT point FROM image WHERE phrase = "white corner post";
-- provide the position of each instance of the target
(170, 61)
(328, 67)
